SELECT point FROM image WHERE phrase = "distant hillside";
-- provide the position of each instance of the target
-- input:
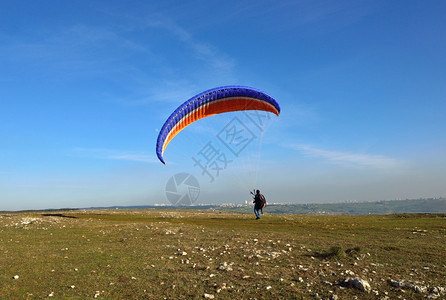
(430, 205)
(360, 208)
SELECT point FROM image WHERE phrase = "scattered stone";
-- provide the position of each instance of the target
(408, 285)
(225, 267)
(208, 296)
(395, 283)
(439, 290)
(420, 289)
(29, 220)
(351, 273)
(357, 283)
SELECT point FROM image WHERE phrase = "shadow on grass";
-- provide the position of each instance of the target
(59, 215)
(337, 252)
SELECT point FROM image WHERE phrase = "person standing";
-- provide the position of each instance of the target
(259, 204)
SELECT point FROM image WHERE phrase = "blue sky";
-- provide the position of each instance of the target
(86, 85)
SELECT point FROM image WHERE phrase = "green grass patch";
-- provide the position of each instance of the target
(183, 254)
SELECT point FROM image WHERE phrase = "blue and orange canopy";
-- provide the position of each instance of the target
(215, 101)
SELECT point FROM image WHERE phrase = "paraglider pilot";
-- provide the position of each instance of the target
(259, 203)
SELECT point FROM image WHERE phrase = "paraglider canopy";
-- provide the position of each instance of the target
(211, 102)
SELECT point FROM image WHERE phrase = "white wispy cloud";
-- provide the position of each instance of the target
(134, 157)
(168, 80)
(202, 50)
(112, 154)
(115, 52)
(167, 91)
(348, 158)
(78, 51)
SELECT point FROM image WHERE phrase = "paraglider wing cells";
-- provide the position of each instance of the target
(215, 101)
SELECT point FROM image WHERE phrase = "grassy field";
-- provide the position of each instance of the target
(188, 254)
